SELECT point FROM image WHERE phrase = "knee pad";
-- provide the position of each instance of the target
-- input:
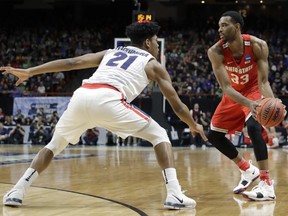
(224, 145)
(253, 126)
(153, 133)
(57, 144)
(255, 134)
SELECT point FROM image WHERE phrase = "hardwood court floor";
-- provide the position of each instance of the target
(127, 181)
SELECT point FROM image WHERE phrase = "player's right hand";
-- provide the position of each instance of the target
(22, 74)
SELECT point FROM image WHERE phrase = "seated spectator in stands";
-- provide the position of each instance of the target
(16, 135)
(41, 136)
(3, 134)
(54, 118)
(41, 88)
(9, 121)
(41, 113)
(19, 117)
(2, 115)
(90, 137)
(27, 121)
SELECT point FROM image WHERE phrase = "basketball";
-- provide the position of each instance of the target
(271, 112)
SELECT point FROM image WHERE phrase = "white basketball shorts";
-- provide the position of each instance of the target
(106, 108)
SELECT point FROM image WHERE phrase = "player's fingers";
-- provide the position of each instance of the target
(19, 81)
(5, 68)
(6, 72)
(202, 134)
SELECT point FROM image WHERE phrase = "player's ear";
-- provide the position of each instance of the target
(238, 26)
(147, 43)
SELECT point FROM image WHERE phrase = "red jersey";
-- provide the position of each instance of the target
(229, 116)
(243, 73)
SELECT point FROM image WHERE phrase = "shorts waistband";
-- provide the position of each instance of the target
(98, 85)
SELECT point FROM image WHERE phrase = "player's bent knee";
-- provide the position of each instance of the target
(57, 144)
(154, 134)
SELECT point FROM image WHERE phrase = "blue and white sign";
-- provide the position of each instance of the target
(30, 105)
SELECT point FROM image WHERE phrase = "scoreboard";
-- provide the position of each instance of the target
(143, 16)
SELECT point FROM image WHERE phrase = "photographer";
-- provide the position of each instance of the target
(40, 136)
(91, 136)
(33, 127)
(201, 118)
(16, 135)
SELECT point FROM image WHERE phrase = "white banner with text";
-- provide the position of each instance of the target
(30, 106)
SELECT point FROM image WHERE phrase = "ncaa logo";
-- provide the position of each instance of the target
(247, 59)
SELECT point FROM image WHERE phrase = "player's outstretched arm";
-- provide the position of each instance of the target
(85, 61)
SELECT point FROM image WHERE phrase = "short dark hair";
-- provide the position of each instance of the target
(138, 32)
(235, 17)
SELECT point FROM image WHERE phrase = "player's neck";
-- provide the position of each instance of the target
(236, 46)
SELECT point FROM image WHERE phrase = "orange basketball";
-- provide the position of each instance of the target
(271, 112)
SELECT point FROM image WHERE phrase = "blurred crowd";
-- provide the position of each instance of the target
(185, 55)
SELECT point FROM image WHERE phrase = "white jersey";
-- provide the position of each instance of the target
(123, 68)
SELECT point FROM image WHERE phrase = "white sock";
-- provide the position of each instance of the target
(171, 181)
(27, 179)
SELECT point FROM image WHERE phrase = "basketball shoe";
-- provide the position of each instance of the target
(247, 177)
(13, 198)
(181, 201)
(261, 192)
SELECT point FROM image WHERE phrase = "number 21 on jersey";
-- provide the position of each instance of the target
(122, 60)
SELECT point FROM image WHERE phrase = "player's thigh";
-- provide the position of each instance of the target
(122, 118)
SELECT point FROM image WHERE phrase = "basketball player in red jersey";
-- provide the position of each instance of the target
(240, 64)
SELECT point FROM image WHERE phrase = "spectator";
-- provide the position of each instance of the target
(34, 126)
(2, 115)
(16, 135)
(200, 118)
(41, 88)
(54, 118)
(40, 136)
(19, 117)
(90, 137)
(110, 139)
(9, 121)
(3, 134)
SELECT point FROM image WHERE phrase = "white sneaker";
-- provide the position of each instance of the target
(13, 198)
(247, 177)
(261, 192)
(178, 202)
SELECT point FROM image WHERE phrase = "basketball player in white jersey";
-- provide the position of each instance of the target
(104, 99)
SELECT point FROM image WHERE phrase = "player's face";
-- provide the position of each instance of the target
(154, 46)
(227, 29)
